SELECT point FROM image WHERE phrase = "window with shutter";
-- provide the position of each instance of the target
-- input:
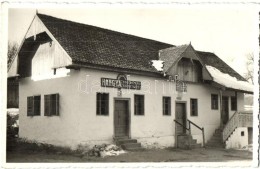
(34, 105)
(37, 105)
(51, 105)
(194, 107)
(47, 105)
(102, 104)
(30, 106)
(139, 104)
(166, 105)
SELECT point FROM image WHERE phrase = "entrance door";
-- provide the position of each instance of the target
(180, 116)
(225, 108)
(121, 118)
(250, 135)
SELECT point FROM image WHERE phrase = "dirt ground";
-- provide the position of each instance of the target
(159, 155)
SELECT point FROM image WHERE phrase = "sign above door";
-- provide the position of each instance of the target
(121, 82)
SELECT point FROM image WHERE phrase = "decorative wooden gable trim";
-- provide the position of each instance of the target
(37, 27)
(62, 58)
(190, 53)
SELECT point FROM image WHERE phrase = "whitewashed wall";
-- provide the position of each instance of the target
(237, 141)
(78, 122)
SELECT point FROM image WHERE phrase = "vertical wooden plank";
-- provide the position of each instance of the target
(57, 104)
(46, 105)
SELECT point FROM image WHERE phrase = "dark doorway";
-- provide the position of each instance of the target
(121, 118)
(250, 135)
(225, 110)
(180, 116)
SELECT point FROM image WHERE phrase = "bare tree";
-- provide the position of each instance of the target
(249, 75)
(12, 50)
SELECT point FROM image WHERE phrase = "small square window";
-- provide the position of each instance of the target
(242, 133)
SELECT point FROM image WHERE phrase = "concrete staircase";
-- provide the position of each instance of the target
(216, 140)
(128, 144)
(187, 142)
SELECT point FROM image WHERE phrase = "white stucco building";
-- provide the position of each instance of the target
(80, 84)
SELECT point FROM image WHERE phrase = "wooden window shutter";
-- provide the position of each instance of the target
(98, 104)
(57, 100)
(47, 105)
(37, 105)
(30, 106)
(169, 106)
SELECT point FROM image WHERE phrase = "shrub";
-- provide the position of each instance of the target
(12, 126)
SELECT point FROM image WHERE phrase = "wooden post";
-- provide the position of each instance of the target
(203, 135)
(220, 108)
(189, 134)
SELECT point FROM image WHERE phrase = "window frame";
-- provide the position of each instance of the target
(196, 107)
(143, 105)
(164, 98)
(99, 103)
(51, 102)
(232, 102)
(213, 105)
(32, 111)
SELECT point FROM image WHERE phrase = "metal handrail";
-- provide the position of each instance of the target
(181, 125)
(201, 128)
(195, 124)
(189, 129)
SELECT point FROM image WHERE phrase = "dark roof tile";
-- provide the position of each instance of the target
(212, 60)
(90, 44)
(94, 45)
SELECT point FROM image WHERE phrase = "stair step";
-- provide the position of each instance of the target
(129, 146)
(215, 146)
(121, 138)
(125, 141)
(193, 141)
(195, 146)
(216, 139)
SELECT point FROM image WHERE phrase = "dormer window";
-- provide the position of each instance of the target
(189, 70)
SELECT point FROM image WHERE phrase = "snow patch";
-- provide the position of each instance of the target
(229, 81)
(158, 64)
(12, 111)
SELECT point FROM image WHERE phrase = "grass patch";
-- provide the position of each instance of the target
(30, 146)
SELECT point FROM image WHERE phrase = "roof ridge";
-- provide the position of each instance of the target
(103, 29)
(174, 47)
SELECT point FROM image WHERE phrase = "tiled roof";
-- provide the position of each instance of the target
(212, 60)
(171, 55)
(94, 45)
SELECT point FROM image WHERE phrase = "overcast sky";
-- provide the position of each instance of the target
(228, 33)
